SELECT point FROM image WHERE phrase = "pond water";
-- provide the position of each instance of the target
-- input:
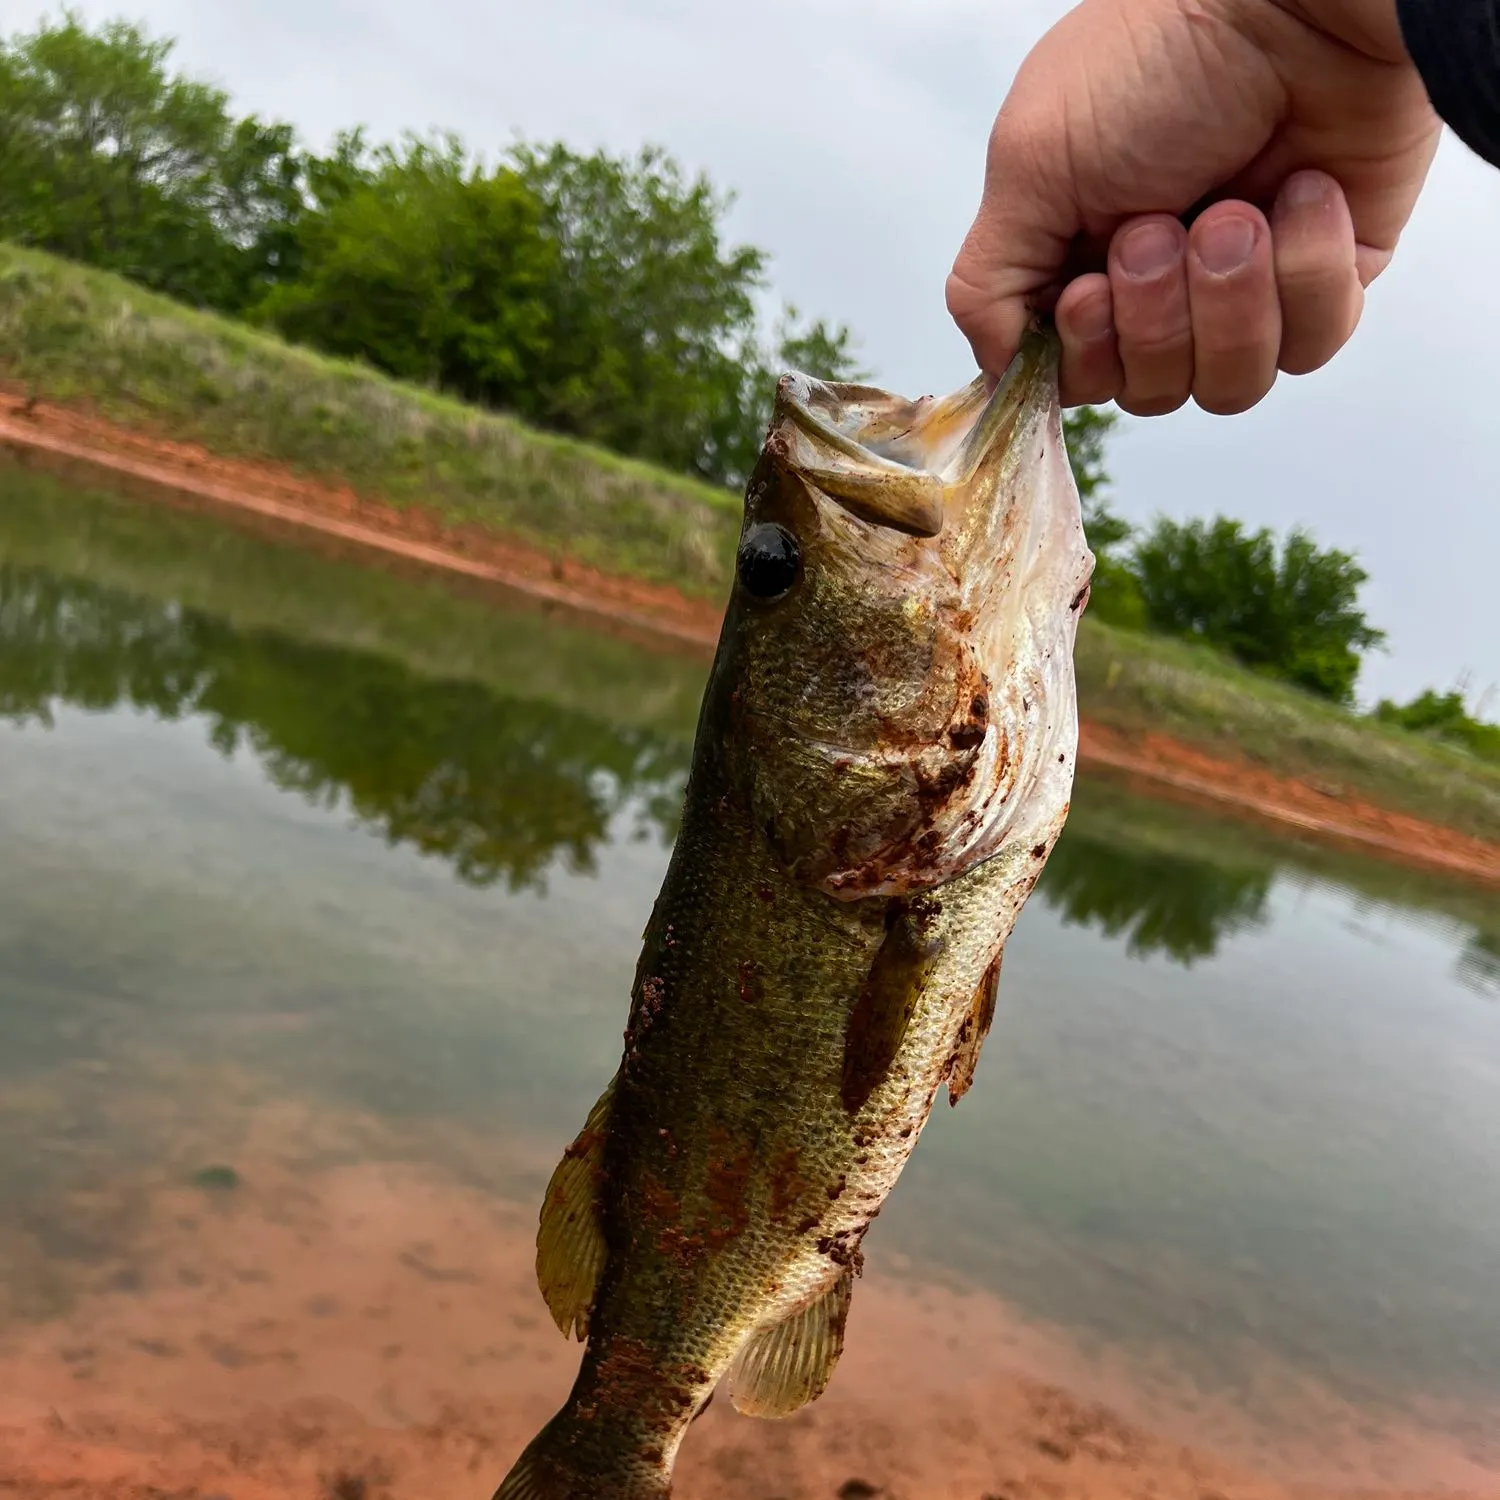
(321, 887)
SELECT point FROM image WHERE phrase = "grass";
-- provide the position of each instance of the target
(91, 340)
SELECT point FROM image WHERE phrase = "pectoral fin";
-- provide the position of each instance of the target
(570, 1248)
(972, 1033)
(785, 1366)
(882, 1014)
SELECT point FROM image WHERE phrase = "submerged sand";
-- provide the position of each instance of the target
(371, 1330)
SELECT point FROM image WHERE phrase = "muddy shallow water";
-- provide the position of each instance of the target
(320, 892)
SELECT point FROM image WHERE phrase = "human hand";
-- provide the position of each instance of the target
(1303, 126)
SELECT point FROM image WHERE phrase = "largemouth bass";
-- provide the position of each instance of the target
(884, 759)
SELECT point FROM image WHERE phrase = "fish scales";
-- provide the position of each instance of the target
(883, 761)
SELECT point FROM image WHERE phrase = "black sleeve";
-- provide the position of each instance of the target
(1456, 47)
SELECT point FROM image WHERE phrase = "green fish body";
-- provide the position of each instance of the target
(883, 762)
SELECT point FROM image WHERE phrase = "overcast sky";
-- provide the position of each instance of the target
(853, 132)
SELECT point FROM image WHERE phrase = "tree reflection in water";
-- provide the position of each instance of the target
(1479, 964)
(498, 787)
(504, 787)
(1159, 900)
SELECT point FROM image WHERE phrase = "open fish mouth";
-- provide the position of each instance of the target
(911, 466)
(955, 528)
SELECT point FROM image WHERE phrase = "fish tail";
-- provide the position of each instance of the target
(548, 1470)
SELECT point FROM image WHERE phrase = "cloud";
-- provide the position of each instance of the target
(853, 134)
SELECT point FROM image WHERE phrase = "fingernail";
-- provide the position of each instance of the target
(1307, 190)
(1224, 245)
(1148, 250)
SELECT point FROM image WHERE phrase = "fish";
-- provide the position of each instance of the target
(883, 761)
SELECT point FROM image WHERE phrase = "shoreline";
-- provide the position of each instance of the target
(81, 446)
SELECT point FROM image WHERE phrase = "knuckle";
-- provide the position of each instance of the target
(1237, 360)
(1302, 358)
(965, 294)
(1089, 392)
(1312, 271)
(1230, 402)
(1314, 331)
(1158, 370)
(959, 295)
(1155, 323)
(1237, 367)
(1151, 404)
(1314, 286)
(1158, 344)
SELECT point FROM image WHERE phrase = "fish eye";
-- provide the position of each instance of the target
(770, 561)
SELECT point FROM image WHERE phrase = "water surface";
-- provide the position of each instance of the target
(323, 885)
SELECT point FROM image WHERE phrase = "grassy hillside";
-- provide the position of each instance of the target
(76, 336)
(1148, 684)
(80, 337)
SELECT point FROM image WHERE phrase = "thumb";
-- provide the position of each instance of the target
(1013, 256)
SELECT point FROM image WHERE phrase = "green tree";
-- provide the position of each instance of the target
(425, 264)
(1445, 716)
(1115, 596)
(111, 158)
(1479, 963)
(1295, 615)
(349, 166)
(652, 314)
(591, 294)
(816, 349)
(1086, 428)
